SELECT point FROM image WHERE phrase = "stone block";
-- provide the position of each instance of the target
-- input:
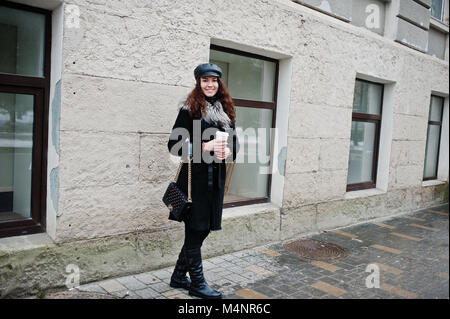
(410, 100)
(156, 163)
(303, 155)
(414, 12)
(375, 206)
(405, 176)
(333, 82)
(334, 154)
(316, 121)
(260, 225)
(412, 36)
(425, 3)
(396, 199)
(405, 153)
(339, 213)
(406, 127)
(118, 46)
(97, 211)
(104, 104)
(298, 221)
(98, 158)
(403, 200)
(308, 188)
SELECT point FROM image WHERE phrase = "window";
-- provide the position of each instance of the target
(365, 133)
(437, 9)
(252, 82)
(433, 138)
(24, 93)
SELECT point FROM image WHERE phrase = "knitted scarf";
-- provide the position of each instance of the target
(215, 114)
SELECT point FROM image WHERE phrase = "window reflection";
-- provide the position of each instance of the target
(16, 145)
(22, 36)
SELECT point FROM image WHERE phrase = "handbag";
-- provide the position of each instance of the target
(176, 200)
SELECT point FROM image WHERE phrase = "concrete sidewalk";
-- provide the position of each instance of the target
(410, 253)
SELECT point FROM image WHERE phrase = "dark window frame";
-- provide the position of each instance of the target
(256, 104)
(435, 177)
(39, 87)
(376, 119)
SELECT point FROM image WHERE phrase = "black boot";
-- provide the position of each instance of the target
(179, 278)
(199, 287)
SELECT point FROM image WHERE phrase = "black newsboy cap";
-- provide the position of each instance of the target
(207, 69)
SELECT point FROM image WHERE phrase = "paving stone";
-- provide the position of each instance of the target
(316, 293)
(238, 279)
(131, 283)
(160, 287)
(211, 276)
(252, 276)
(229, 258)
(217, 270)
(170, 293)
(287, 289)
(126, 294)
(216, 260)
(111, 285)
(208, 265)
(162, 274)
(300, 295)
(250, 294)
(147, 278)
(266, 290)
(224, 282)
(147, 293)
(407, 268)
(342, 278)
(329, 289)
(92, 288)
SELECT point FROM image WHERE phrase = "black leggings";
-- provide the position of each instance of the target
(194, 238)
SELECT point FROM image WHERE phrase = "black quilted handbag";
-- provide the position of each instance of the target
(178, 203)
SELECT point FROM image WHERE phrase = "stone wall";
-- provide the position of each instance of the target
(130, 63)
(124, 72)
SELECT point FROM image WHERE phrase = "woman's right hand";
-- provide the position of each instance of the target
(218, 146)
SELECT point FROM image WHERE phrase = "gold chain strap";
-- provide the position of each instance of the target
(189, 177)
(189, 181)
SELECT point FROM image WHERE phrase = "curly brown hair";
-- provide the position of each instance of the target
(197, 103)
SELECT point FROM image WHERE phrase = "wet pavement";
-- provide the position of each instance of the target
(405, 257)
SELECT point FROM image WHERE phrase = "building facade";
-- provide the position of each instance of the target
(356, 93)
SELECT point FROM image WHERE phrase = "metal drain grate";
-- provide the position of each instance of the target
(315, 249)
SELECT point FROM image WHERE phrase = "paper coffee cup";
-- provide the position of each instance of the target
(221, 135)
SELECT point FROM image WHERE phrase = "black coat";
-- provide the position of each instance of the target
(208, 179)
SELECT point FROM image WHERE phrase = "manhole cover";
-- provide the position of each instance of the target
(315, 249)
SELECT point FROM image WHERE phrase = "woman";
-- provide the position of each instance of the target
(208, 108)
